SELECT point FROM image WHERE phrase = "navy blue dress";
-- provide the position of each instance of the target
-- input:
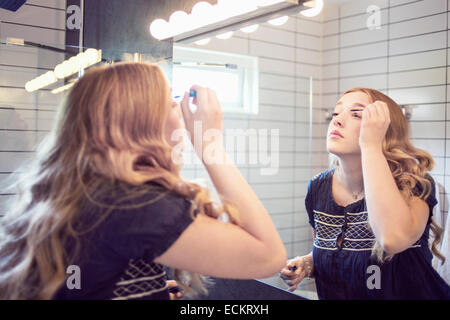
(116, 260)
(349, 271)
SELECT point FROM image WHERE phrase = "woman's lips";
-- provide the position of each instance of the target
(336, 134)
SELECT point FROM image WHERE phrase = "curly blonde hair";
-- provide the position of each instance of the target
(408, 164)
(109, 133)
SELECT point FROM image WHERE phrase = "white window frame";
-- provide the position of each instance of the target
(247, 72)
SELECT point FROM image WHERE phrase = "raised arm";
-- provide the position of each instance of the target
(395, 223)
(251, 250)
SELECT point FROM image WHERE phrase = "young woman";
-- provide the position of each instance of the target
(371, 212)
(104, 197)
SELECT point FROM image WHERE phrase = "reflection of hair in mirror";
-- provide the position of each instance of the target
(110, 129)
(408, 164)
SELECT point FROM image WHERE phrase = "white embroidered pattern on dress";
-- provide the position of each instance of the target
(358, 235)
(140, 279)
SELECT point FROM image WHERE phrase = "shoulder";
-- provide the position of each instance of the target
(131, 205)
(317, 185)
(150, 212)
(147, 194)
(320, 178)
(427, 193)
(143, 222)
(157, 200)
(420, 189)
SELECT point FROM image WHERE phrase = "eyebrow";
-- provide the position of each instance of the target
(354, 105)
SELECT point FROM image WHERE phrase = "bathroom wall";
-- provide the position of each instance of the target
(290, 56)
(407, 57)
(25, 118)
(285, 75)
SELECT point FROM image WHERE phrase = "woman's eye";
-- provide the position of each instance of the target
(334, 114)
(357, 115)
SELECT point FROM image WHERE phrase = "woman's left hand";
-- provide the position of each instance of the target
(173, 284)
(374, 125)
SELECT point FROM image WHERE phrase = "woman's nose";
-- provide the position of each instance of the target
(338, 122)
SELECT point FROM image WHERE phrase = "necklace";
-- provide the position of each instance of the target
(355, 195)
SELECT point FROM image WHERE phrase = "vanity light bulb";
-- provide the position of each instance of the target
(250, 29)
(279, 21)
(83, 62)
(92, 56)
(68, 67)
(226, 35)
(29, 86)
(59, 71)
(264, 3)
(202, 13)
(160, 29)
(313, 11)
(74, 65)
(233, 8)
(49, 78)
(179, 22)
(219, 12)
(202, 42)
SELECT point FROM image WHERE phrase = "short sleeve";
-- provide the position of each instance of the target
(431, 199)
(309, 203)
(148, 231)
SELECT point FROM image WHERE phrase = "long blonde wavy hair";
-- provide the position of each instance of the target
(408, 164)
(109, 135)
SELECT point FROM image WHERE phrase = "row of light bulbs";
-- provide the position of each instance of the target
(65, 69)
(203, 14)
(227, 35)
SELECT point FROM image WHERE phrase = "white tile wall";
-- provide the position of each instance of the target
(417, 9)
(407, 58)
(422, 60)
(426, 77)
(360, 7)
(288, 56)
(373, 66)
(370, 51)
(25, 117)
(418, 43)
(427, 24)
(362, 36)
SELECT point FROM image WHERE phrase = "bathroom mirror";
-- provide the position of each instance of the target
(278, 81)
(304, 65)
(281, 66)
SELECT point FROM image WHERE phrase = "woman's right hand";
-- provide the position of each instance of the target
(293, 277)
(208, 117)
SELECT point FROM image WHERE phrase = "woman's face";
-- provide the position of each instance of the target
(343, 130)
(174, 122)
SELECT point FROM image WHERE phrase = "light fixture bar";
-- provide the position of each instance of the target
(261, 15)
(23, 42)
(65, 69)
(206, 64)
(63, 88)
